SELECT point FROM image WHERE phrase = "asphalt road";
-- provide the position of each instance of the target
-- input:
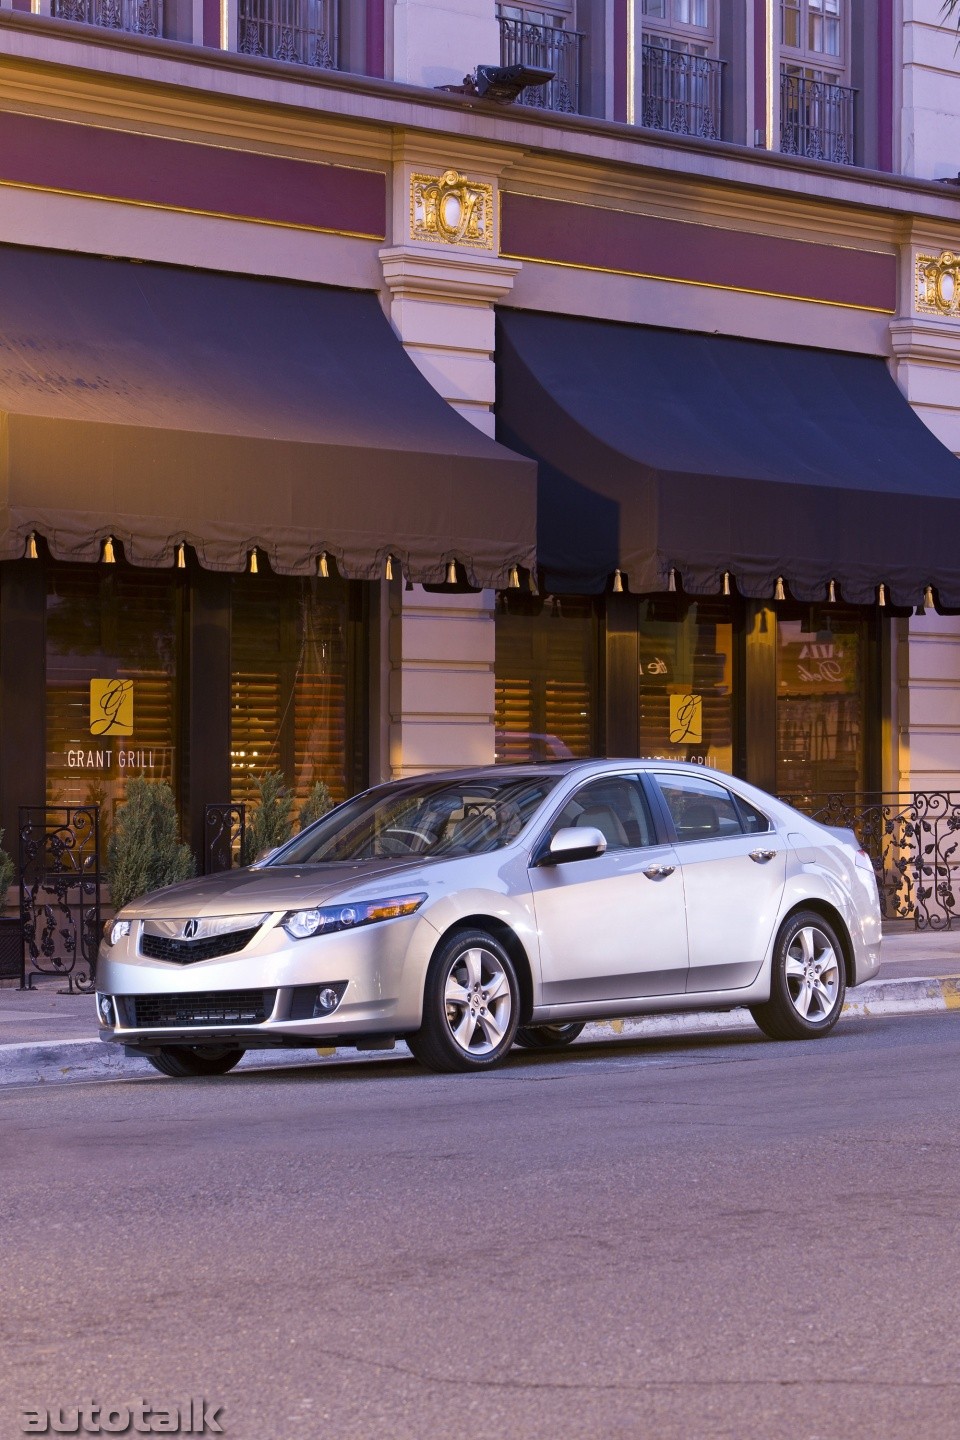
(723, 1237)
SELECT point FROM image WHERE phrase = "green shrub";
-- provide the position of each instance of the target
(145, 852)
(317, 803)
(6, 872)
(269, 823)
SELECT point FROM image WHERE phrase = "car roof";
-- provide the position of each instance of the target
(601, 765)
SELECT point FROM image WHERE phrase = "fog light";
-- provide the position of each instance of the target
(105, 1009)
(327, 1000)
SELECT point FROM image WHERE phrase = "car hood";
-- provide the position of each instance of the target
(279, 887)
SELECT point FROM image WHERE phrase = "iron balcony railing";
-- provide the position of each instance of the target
(140, 17)
(913, 840)
(550, 48)
(681, 93)
(817, 119)
(302, 32)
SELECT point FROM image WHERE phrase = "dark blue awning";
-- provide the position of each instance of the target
(663, 450)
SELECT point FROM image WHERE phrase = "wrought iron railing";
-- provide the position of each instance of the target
(140, 17)
(224, 831)
(60, 882)
(550, 48)
(817, 119)
(303, 32)
(681, 93)
(913, 841)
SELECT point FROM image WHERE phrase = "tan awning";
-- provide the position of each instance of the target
(164, 406)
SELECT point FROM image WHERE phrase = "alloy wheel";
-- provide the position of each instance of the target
(812, 973)
(478, 1001)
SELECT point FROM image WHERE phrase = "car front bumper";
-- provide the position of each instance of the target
(269, 994)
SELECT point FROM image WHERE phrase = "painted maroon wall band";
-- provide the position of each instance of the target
(604, 239)
(87, 160)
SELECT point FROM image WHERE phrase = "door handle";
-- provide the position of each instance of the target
(762, 856)
(659, 872)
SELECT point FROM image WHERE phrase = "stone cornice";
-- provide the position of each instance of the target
(933, 342)
(413, 270)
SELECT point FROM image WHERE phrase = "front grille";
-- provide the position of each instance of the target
(186, 952)
(208, 1007)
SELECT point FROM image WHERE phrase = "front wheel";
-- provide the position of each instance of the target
(471, 1004)
(548, 1037)
(183, 1061)
(807, 980)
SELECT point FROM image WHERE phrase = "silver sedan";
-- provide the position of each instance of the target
(466, 912)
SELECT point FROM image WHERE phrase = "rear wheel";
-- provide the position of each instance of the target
(807, 980)
(471, 1003)
(548, 1037)
(181, 1061)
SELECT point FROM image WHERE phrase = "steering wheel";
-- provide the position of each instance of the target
(401, 840)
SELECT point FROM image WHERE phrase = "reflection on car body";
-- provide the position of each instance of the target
(468, 911)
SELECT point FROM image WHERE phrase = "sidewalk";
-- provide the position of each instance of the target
(46, 1036)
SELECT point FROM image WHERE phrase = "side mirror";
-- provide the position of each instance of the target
(575, 843)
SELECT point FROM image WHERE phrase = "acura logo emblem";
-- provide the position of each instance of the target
(190, 929)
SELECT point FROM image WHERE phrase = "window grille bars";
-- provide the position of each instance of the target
(301, 32)
(525, 43)
(139, 17)
(681, 92)
(817, 119)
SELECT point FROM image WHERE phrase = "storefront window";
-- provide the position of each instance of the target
(111, 682)
(546, 678)
(821, 703)
(686, 683)
(289, 684)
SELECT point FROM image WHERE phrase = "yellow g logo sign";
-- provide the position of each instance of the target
(111, 707)
(686, 719)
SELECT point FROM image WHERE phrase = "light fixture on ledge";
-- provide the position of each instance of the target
(504, 83)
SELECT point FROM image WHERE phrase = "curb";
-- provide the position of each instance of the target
(45, 1062)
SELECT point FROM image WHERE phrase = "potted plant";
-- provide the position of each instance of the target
(316, 805)
(11, 948)
(145, 852)
(269, 824)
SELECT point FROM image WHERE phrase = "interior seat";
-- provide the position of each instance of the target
(608, 822)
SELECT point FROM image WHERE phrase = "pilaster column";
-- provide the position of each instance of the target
(438, 42)
(443, 276)
(925, 340)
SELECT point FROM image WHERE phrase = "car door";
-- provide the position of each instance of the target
(611, 926)
(733, 866)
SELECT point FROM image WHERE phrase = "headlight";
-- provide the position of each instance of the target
(327, 919)
(115, 930)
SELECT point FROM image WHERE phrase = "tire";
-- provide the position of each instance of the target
(807, 980)
(548, 1037)
(460, 1032)
(182, 1061)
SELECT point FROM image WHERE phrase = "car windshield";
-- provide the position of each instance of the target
(431, 818)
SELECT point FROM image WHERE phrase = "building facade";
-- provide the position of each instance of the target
(356, 424)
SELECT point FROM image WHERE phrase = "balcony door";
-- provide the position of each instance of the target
(680, 71)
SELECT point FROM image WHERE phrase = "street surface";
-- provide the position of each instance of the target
(715, 1237)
